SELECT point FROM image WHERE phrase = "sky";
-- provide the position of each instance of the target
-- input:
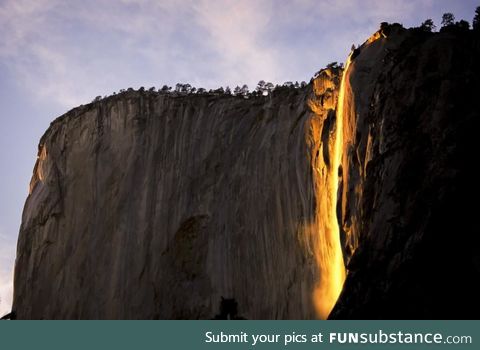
(55, 55)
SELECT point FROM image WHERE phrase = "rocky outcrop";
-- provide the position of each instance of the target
(410, 121)
(148, 205)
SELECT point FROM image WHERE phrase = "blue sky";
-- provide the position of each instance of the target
(55, 55)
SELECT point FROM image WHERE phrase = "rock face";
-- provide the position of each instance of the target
(147, 205)
(410, 118)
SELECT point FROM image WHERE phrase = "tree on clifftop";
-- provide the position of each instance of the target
(476, 19)
(269, 87)
(448, 19)
(244, 90)
(166, 88)
(428, 25)
(463, 25)
(261, 86)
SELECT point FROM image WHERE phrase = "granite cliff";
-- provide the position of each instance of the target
(410, 118)
(147, 205)
(152, 205)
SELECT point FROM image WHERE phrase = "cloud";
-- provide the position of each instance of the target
(69, 52)
(31, 51)
(234, 31)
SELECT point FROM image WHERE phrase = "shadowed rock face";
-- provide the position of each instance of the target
(409, 150)
(149, 205)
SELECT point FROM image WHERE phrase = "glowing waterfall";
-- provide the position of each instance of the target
(330, 257)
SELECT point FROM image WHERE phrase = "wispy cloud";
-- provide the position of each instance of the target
(235, 30)
(68, 52)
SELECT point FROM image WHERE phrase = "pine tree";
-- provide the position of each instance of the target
(428, 25)
(448, 19)
(476, 19)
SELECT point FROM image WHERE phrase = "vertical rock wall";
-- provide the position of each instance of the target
(409, 142)
(148, 205)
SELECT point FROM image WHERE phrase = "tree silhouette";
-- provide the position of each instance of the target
(186, 88)
(462, 24)
(261, 86)
(448, 19)
(228, 310)
(476, 19)
(166, 88)
(269, 87)
(428, 25)
(244, 90)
